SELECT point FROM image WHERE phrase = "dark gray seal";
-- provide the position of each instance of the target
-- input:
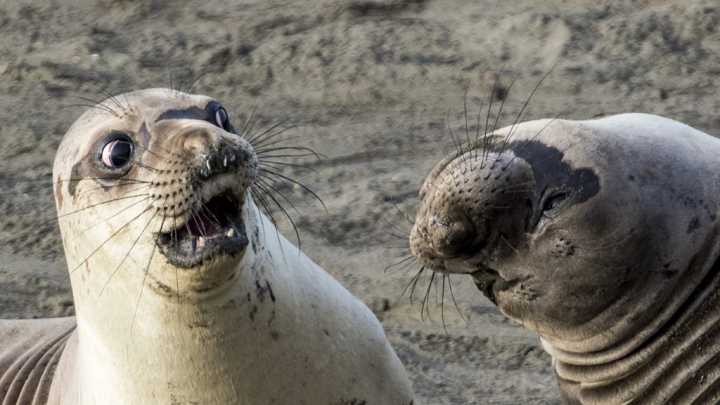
(600, 235)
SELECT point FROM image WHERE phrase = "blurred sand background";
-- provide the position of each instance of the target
(370, 84)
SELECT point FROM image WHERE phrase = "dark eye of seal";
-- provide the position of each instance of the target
(117, 153)
(221, 119)
(554, 201)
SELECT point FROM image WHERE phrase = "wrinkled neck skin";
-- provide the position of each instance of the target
(135, 348)
(669, 360)
(663, 348)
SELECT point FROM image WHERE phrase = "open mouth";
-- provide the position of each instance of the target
(216, 229)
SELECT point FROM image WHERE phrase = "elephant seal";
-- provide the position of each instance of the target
(184, 291)
(600, 235)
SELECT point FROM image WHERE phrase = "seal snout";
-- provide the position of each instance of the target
(210, 153)
(203, 206)
(451, 237)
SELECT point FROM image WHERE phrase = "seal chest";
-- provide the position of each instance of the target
(184, 291)
(600, 235)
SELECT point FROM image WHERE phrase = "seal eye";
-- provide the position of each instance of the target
(221, 119)
(117, 153)
(554, 201)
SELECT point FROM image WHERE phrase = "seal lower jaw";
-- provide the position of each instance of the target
(490, 283)
(216, 230)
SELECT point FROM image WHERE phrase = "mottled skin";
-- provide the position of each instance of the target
(600, 235)
(263, 325)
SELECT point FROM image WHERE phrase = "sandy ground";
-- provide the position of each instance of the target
(370, 84)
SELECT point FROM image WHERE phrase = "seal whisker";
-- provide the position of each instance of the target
(97, 105)
(267, 142)
(274, 164)
(263, 153)
(245, 126)
(407, 261)
(162, 158)
(477, 129)
(508, 243)
(284, 156)
(114, 186)
(108, 239)
(92, 206)
(259, 138)
(487, 115)
(452, 295)
(127, 254)
(404, 215)
(397, 228)
(110, 96)
(142, 285)
(465, 115)
(88, 106)
(265, 173)
(269, 213)
(170, 78)
(457, 143)
(100, 178)
(513, 126)
(425, 301)
(267, 185)
(192, 83)
(249, 122)
(282, 209)
(394, 235)
(502, 103)
(412, 284)
(144, 166)
(442, 303)
(107, 219)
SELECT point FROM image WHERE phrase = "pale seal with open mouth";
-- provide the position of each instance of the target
(184, 291)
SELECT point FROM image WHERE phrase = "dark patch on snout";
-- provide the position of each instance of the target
(192, 113)
(551, 173)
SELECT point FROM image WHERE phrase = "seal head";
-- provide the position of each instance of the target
(168, 163)
(596, 234)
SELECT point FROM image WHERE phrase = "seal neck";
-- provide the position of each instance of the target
(677, 356)
(126, 361)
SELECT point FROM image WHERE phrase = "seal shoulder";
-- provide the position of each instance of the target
(29, 354)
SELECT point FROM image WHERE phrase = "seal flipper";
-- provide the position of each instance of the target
(29, 353)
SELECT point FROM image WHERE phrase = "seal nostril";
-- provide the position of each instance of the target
(451, 238)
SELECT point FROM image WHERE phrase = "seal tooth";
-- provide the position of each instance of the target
(200, 241)
(230, 233)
